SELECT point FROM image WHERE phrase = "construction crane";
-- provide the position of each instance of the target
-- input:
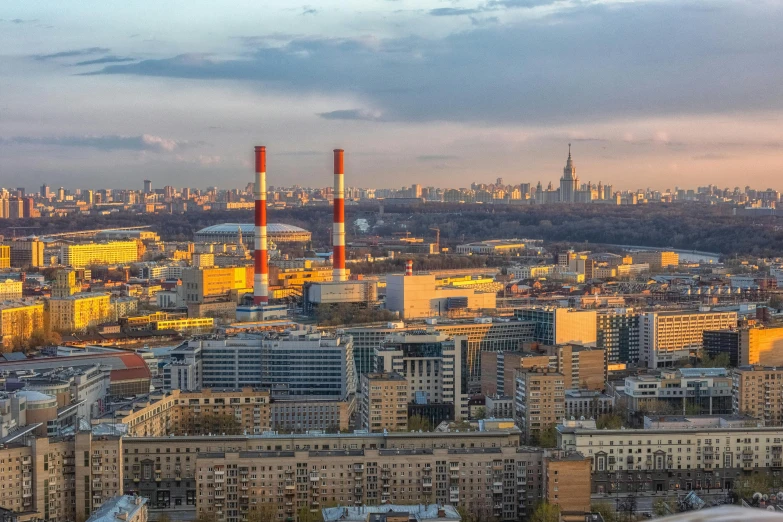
(437, 238)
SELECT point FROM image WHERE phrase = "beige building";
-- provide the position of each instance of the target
(758, 392)
(79, 312)
(657, 260)
(27, 253)
(761, 346)
(10, 290)
(667, 337)
(539, 401)
(65, 284)
(109, 253)
(20, 319)
(5, 256)
(568, 485)
(418, 296)
(383, 402)
(202, 283)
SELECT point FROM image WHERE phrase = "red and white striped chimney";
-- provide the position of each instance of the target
(261, 276)
(409, 267)
(338, 230)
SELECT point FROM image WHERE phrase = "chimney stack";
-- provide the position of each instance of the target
(409, 267)
(338, 230)
(261, 277)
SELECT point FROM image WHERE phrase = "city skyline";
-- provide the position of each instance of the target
(440, 94)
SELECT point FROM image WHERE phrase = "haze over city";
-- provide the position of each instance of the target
(651, 94)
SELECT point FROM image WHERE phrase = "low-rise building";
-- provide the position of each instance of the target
(587, 404)
(128, 508)
(694, 391)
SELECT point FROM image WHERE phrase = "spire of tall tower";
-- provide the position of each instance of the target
(569, 151)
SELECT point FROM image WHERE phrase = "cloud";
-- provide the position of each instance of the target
(144, 142)
(107, 59)
(436, 157)
(19, 21)
(454, 11)
(587, 63)
(73, 53)
(307, 10)
(351, 114)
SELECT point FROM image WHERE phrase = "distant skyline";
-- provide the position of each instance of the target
(658, 93)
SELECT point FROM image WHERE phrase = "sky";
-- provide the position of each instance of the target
(658, 93)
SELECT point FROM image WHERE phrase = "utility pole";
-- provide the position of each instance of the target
(437, 238)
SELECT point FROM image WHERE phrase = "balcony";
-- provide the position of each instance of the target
(427, 482)
(521, 481)
(497, 466)
(497, 488)
(358, 468)
(315, 477)
(454, 466)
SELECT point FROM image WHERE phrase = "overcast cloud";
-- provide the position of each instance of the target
(660, 85)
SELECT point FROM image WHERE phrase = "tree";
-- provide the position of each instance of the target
(481, 413)
(776, 301)
(721, 360)
(417, 422)
(606, 510)
(206, 516)
(663, 507)
(545, 512)
(609, 421)
(164, 518)
(547, 437)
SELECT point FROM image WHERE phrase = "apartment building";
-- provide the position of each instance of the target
(432, 365)
(706, 391)
(109, 253)
(302, 415)
(657, 260)
(5, 256)
(567, 485)
(758, 392)
(20, 319)
(27, 253)
(618, 332)
(383, 402)
(199, 284)
(10, 290)
(647, 461)
(539, 401)
(79, 312)
(587, 404)
(667, 337)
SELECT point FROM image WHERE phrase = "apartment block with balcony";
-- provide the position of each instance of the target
(539, 401)
(383, 402)
(758, 392)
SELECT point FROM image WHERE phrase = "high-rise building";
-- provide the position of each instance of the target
(569, 183)
(20, 320)
(667, 337)
(539, 401)
(46, 191)
(27, 253)
(561, 325)
(383, 402)
(758, 392)
(618, 332)
(147, 186)
(65, 284)
(432, 365)
(5, 256)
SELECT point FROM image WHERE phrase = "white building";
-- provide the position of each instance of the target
(667, 337)
(10, 290)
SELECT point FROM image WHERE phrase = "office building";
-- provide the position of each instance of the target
(79, 312)
(27, 253)
(657, 260)
(199, 284)
(383, 402)
(539, 401)
(667, 337)
(109, 253)
(762, 346)
(420, 296)
(618, 332)
(694, 391)
(561, 325)
(483, 336)
(432, 365)
(758, 392)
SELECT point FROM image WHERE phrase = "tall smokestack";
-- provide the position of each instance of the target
(261, 277)
(409, 267)
(338, 230)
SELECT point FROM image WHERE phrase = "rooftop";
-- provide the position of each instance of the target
(112, 509)
(418, 512)
(249, 228)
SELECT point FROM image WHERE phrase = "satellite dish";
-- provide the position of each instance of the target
(770, 508)
(756, 496)
(780, 495)
(764, 497)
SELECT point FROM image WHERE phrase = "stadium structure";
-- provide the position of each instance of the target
(278, 233)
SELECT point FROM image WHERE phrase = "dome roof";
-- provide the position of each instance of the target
(248, 228)
(35, 396)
